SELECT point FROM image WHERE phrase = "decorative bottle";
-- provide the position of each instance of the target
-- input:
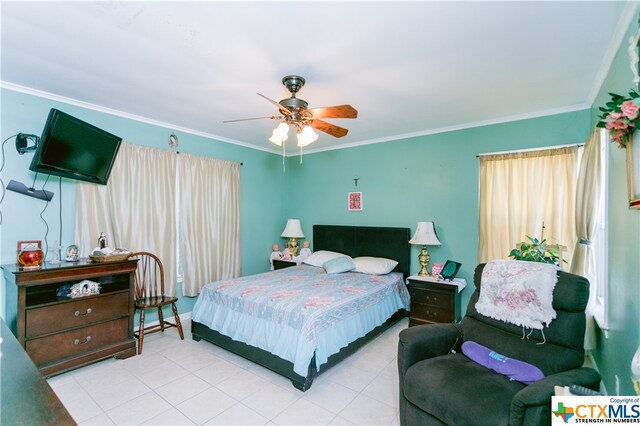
(30, 257)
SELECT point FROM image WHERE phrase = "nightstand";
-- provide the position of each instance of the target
(434, 301)
(281, 264)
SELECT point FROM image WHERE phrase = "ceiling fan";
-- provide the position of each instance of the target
(294, 112)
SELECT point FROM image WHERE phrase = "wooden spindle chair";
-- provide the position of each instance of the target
(149, 293)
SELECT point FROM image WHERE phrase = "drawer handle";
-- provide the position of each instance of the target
(78, 314)
(434, 298)
(78, 342)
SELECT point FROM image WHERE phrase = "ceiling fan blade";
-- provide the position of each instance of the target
(338, 111)
(328, 128)
(273, 117)
(282, 109)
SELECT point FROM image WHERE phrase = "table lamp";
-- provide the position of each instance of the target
(426, 236)
(292, 231)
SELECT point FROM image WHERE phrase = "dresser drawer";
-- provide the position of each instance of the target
(77, 313)
(71, 343)
(422, 314)
(432, 297)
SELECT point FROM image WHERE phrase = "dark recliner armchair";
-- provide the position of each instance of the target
(439, 387)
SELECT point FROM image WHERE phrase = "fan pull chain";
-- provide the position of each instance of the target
(283, 167)
(300, 155)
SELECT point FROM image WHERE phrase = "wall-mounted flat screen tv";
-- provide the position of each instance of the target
(74, 149)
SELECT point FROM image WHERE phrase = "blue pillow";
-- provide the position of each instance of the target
(338, 265)
(512, 368)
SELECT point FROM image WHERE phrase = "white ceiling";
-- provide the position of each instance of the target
(409, 68)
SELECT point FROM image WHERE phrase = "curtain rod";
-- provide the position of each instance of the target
(241, 163)
(530, 149)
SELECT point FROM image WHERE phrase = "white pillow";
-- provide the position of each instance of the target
(374, 265)
(321, 256)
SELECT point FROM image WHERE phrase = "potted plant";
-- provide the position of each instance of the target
(536, 251)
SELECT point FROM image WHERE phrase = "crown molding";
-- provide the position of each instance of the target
(471, 125)
(54, 97)
(626, 17)
(70, 101)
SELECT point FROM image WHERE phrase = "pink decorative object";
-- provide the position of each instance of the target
(629, 109)
(620, 117)
(354, 201)
(286, 254)
(436, 269)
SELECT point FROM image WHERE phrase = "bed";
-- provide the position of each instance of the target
(300, 342)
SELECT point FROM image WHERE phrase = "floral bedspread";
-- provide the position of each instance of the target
(296, 311)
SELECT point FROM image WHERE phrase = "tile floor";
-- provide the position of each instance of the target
(203, 384)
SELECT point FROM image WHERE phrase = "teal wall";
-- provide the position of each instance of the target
(263, 201)
(428, 178)
(615, 351)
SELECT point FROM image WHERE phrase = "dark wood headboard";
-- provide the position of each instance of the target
(355, 241)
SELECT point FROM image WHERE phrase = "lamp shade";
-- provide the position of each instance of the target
(275, 139)
(306, 136)
(279, 134)
(425, 235)
(293, 229)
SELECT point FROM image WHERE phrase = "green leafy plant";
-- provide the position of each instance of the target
(535, 251)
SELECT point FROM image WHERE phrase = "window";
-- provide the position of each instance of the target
(154, 200)
(512, 205)
(600, 239)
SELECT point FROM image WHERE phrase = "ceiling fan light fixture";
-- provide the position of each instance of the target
(294, 112)
(280, 134)
(306, 137)
(275, 139)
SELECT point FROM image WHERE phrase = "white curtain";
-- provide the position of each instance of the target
(209, 221)
(521, 190)
(587, 201)
(136, 209)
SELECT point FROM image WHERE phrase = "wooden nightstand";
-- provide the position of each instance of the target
(434, 301)
(281, 264)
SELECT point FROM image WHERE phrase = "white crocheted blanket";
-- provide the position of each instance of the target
(518, 292)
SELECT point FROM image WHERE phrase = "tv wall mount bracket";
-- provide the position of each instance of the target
(22, 144)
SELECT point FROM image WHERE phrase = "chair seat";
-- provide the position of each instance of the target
(154, 302)
(466, 381)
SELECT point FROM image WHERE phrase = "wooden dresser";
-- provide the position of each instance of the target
(60, 333)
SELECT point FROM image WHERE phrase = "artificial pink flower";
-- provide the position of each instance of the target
(616, 124)
(629, 109)
(614, 115)
(618, 136)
